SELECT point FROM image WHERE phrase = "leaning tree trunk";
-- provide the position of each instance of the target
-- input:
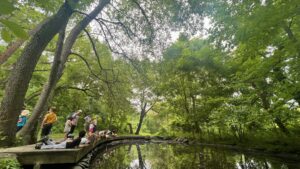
(130, 128)
(28, 133)
(144, 112)
(142, 116)
(57, 71)
(20, 76)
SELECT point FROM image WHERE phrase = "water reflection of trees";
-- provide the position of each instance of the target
(112, 159)
(141, 161)
(248, 162)
(163, 156)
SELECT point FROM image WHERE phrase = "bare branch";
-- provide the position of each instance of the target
(84, 90)
(42, 70)
(108, 21)
(150, 107)
(147, 20)
(87, 64)
(90, 69)
(125, 28)
(83, 13)
(94, 48)
(33, 95)
(122, 53)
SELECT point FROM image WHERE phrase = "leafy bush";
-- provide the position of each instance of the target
(9, 163)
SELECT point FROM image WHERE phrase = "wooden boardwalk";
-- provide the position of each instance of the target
(28, 155)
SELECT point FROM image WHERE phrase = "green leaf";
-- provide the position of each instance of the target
(6, 35)
(15, 28)
(6, 7)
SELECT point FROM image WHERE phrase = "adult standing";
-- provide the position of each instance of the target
(68, 126)
(93, 126)
(49, 119)
(75, 118)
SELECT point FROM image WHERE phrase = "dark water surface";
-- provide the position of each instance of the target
(168, 156)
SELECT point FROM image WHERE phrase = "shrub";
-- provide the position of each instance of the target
(9, 163)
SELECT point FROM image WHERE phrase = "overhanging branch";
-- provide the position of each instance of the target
(94, 48)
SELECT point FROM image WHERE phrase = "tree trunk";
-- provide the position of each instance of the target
(32, 136)
(20, 76)
(142, 115)
(28, 131)
(130, 128)
(63, 51)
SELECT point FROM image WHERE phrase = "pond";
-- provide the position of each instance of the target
(175, 156)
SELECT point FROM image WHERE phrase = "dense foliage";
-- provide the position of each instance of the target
(9, 163)
(239, 84)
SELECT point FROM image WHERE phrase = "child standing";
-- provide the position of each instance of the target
(93, 126)
(22, 119)
(68, 125)
(49, 119)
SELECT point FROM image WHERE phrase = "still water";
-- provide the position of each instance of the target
(168, 156)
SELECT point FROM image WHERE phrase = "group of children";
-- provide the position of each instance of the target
(47, 123)
(90, 127)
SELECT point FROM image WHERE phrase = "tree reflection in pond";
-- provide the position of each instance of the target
(165, 156)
